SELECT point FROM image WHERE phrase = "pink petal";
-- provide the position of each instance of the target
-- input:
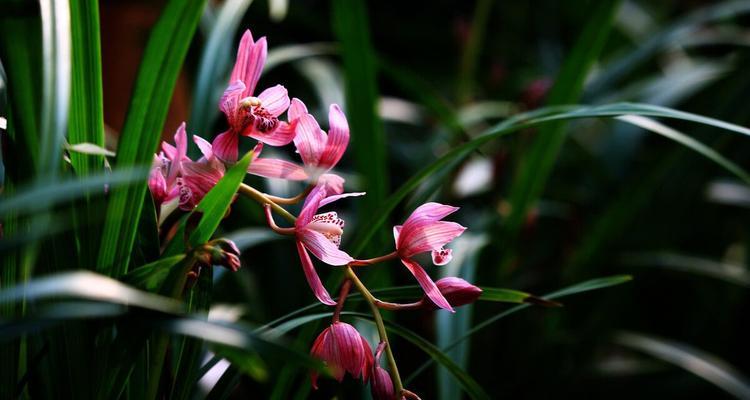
(333, 183)
(396, 232)
(310, 206)
(251, 56)
(322, 248)
(273, 168)
(157, 185)
(280, 136)
(338, 138)
(169, 150)
(225, 146)
(310, 140)
(442, 256)
(431, 211)
(230, 103)
(204, 146)
(180, 141)
(429, 287)
(427, 236)
(275, 100)
(296, 109)
(331, 199)
(312, 277)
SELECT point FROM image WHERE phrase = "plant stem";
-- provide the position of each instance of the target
(261, 198)
(375, 260)
(291, 200)
(399, 387)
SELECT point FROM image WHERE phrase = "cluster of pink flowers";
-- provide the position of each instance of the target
(176, 181)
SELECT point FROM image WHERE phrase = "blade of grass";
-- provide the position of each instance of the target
(157, 75)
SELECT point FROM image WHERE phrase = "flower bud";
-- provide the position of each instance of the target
(221, 252)
(381, 385)
(343, 350)
(457, 291)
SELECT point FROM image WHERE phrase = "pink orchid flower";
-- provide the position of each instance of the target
(320, 234)
(167, 167)
(320, 152)
(424, 231)
(247, 115)
(342, 349)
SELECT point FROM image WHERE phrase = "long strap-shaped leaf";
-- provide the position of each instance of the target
(157, 75)
(527, 120)
(368, 139)
(537, 162)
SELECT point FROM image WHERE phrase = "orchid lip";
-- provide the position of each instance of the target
(325, 228)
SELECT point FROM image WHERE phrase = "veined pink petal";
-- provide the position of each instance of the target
(275, 100)
(282, 135)
(312, 277)
(429, 287)
(296, 109)
(157, 185)
(169, 151)
(331, 199)
(430, 212)
(427, 236)
(230, 103)
(180, 141)
(251, 56)
(309, 140)
(204, 146)
(274, 168)
(397, 232)
(322, 248)
(333, 183)
(310, 206)
(338, 138)
(225, 146)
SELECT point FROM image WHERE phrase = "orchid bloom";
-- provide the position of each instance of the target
(343, 350)
(199, 177)
(320, 152)
(167, 167)
(457, 291)
(424, 231)
(320, 234)
(247, 115)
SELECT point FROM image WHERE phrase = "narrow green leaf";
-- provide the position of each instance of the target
(727, 272)
(368, 139)
(157, 75)
(517, 123)
(215, 204)
(594, 284)
(695, 361)
(87, 286)
(538, 161)
(86, 123)
(151, 276)
(56, 68)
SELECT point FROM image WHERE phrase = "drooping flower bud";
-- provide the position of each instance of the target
(342, 349)
(457, 291)
(381, 385)
(222, 252)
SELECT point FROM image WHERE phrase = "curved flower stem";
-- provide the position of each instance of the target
(399, 306)
(342, 298)
(261, 198)
(376, 260)
(399, 387)
(291, 200)
(272, 224)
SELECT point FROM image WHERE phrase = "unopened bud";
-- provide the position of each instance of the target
(221, 252)
(457, 291)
